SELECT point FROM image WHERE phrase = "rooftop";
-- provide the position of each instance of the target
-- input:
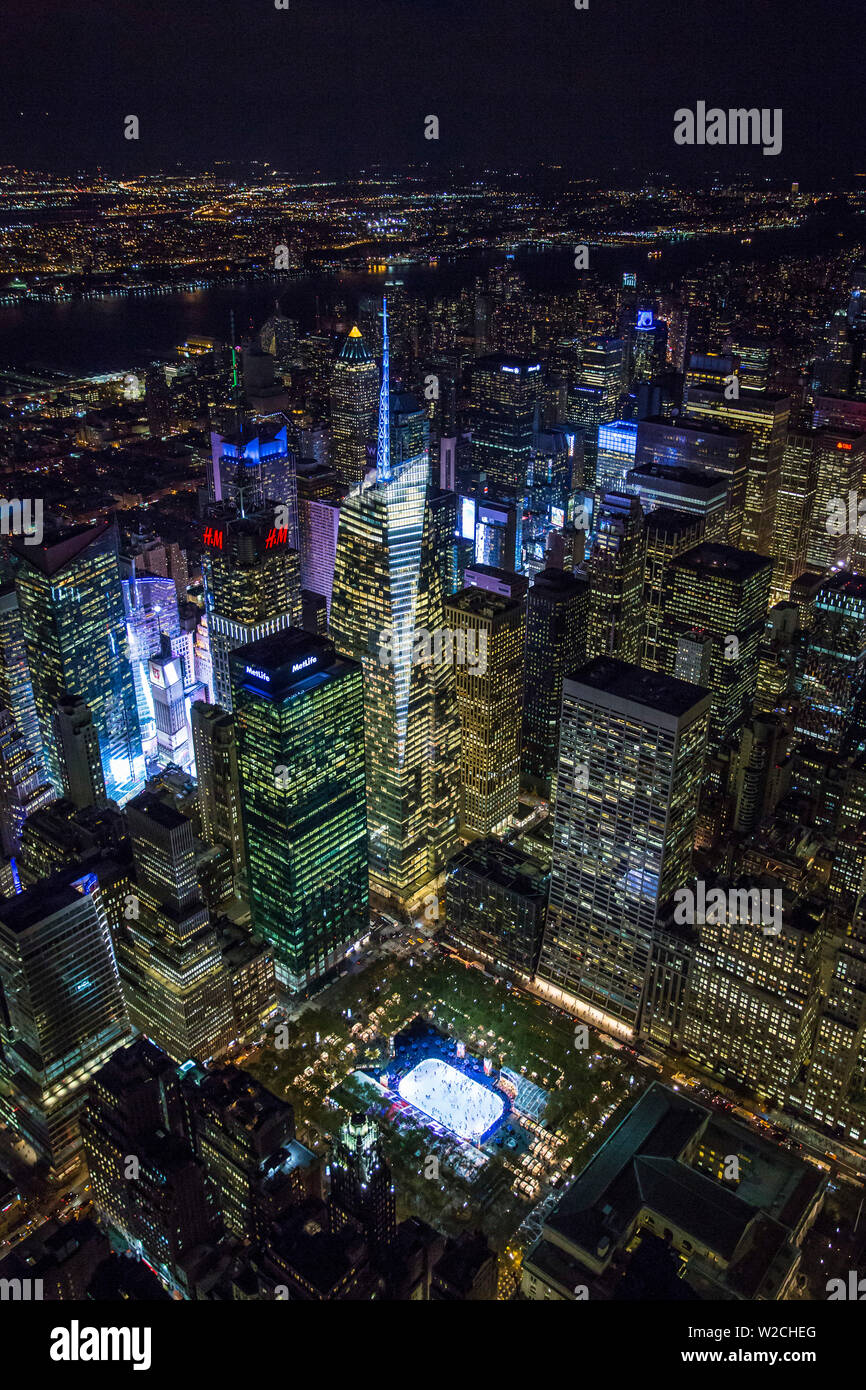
(694, 478)
(654, 691)
(483, 603)
(724, 560)
(503, 865)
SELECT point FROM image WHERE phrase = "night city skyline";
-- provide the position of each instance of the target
(432, 675)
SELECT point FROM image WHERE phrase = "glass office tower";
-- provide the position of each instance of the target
(631, 753)
(387, 589)
(615, 568)
(252, 578)
(490, 704)
(718, 596)
(71, 603)
(354, 392)
(299, 713)
(616, 450)
(62, 1012)
(505, 390)
(557, 621)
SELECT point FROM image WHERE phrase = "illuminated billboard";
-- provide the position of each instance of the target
(467, 518)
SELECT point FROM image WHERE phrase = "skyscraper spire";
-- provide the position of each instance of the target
(383, 446)
(236, 385)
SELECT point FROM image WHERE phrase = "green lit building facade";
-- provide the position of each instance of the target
(299, 712)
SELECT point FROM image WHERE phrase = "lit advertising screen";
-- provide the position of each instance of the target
(467, 518)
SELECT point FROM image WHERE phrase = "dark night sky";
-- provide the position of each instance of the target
(340, 83)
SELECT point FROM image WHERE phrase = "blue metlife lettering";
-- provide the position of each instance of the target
(262, 675)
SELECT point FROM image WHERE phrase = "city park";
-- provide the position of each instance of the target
(332, 1059)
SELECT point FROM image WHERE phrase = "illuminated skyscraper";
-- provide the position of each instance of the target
(720, 595)
(594, 398)
(173, 733)
(319, 523)
(354, 399)
(410, 428)
(175, 986)
(489, 637)
(552, 465)
(16, 688)
(147, 554)
(833, 1090)
(151, 608)
(631, 753)
(443, 517)
(252, 587)
(795, 508)
(255, 470)
(62, 1012)
(387, 589)
(754, 364)
(753, 995)
(766, 419)
(69, 594)
(615, 568)
(839, 463)
(557, 622)
(216, 767)
(668, 533)
(616, 451)
(648, 339)
(831, 711)
(23, 788)
(361, 1188)
(685, 490)
(505, 390)
(499, 534)
(299, 715)
(708, 445)
(78, 753)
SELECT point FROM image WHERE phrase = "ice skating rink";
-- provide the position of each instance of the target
(447, 1095)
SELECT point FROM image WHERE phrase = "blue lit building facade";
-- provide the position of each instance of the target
(72, 616)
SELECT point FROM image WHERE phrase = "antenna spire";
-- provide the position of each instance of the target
(383, 446)
(236, 389)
